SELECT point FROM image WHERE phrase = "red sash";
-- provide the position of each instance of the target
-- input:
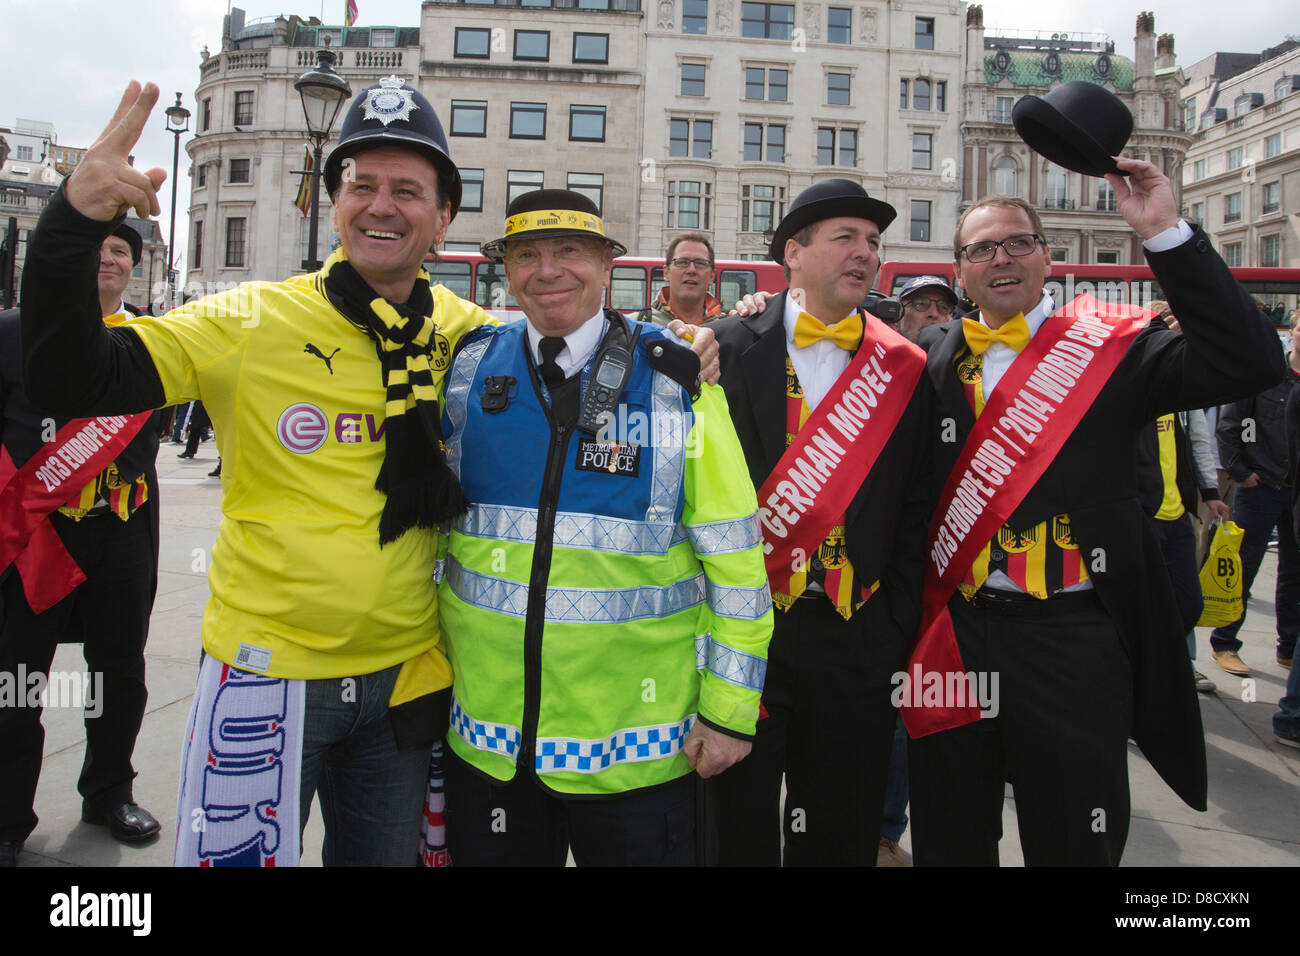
(806, 493)
(52, 477)
(1032, 411)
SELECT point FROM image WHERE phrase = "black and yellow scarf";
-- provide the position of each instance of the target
(422, 490)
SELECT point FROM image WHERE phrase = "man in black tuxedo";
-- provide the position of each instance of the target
(1084, 636)
(111, 532)
(829, 720)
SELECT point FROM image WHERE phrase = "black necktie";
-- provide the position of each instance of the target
(551, 346)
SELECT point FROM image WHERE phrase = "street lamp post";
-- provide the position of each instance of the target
(323, 93)
(178, 122)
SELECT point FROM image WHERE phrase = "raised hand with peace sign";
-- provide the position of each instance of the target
(104, 185)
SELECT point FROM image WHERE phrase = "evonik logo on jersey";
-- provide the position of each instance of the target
(303, 427)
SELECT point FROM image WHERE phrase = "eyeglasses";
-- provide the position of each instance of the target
(1019, 245)
(921, 303)
(683, 263)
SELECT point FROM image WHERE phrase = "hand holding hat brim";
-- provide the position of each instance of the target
(1146, 198)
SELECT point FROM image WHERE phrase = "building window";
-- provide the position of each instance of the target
(1058, 187)
(847, 155)
(1189, 115)
(383, 37)
(1198, 169)
(240, 171)
(1272, 145)
(200, 175)
(1060, 255)
(1272, 197)
(1108, 258)
(1198, 212)
(243, 107)
(1234, 158)
(196, 258)
(922, 144)
(469, 117)
(528, 121)
(920, 220)
(1232, 254)
(533, 45)
(765, 84)
(1106, 197)
(593, 4)
(473, 43)
(755, 133)
(925, 33)
(761, 207)
(690, 138)
(692, 79)
(587, 123)
(591, 185)
(837, 89)
(236, 232)
(1002, 109)
(329, 38)
(1232, 207)
(205, 115)
(772, 21)
(695, 16)
(904, 87)
(839, 25)
(520, 181)
(1004, 176)
(591, 48)
(1270, 251)
(941, 96)
(471, 196)
(689, 204)
(921, 94)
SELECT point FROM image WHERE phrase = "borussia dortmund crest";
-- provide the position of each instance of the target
(389, 102)
(440, 353)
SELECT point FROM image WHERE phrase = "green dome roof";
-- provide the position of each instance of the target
(1039, 68)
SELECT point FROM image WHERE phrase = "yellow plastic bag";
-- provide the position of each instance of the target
(1221, 577)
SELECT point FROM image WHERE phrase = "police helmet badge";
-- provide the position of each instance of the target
(389, 102)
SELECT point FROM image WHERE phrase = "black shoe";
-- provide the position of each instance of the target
(9, 850)
(186, 454)
(128, 822)
(215, 472)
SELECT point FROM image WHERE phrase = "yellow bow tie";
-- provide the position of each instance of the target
(1014, 334)
(846, 333)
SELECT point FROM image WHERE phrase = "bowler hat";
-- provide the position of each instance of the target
(390, 113)
(133, 239)
(543, 213)
(826, 200)
(1078, 125)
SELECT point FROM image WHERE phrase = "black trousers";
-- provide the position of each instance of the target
(829, 731)
(199, 423)
(109, 613)
(1064, 706)
(520, 824)
(1178, 545)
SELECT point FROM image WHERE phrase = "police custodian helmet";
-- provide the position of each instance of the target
(390, 113)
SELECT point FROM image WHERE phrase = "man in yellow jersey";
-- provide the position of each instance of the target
(1067, 604)
(605, 600)
(108, 530)
(325, 667)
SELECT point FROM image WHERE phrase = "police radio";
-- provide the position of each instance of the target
(609, 373)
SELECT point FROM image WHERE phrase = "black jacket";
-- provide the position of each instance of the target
(1252, 436)
(1227, 349)
(886, 520)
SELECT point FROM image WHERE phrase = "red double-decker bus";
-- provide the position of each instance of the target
(634, 282)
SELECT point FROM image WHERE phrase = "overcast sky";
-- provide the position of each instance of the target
(66, 61)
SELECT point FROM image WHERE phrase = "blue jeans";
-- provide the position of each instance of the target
(894, 820)
(1258, 511)
(1286, 722)
(371, 793)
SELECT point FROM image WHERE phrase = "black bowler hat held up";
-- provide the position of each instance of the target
(1078, 125)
